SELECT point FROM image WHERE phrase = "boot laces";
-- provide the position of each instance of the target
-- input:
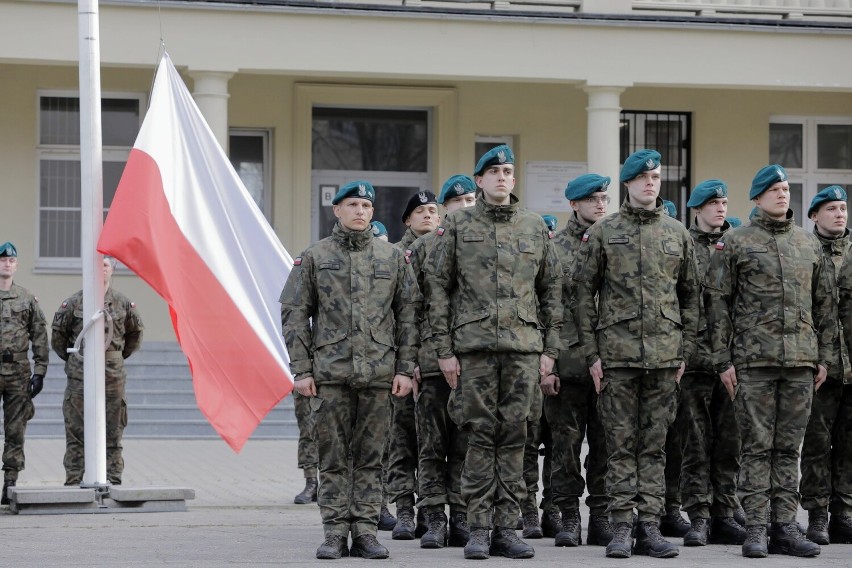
(754, 534)
(652, 532)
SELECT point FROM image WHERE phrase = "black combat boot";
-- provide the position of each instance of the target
(699, 534)
(422, 524)
(650, 542)
(755, 542)
(309, 493)
(333, 547)
(532, 528)
(726, 530)
(840, 529)
(505, 542)
(818, 526)
(405, 527)
(569, 535)
(436, 530)
(551, 523)
(386, 521)
(673, 523)
(459, 531)
(787, 538)
(366, 546)
(621, 544)
(478, 545)
(4, 499)
(600, 531)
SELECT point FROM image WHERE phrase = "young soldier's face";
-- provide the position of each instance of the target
(354, 213)
(423, 219)
(8, 266)
(775, 201)
(497, 183)
(591, 208)
(712, 214)
(460, 202)
(108, 270)
(644, 189)
(830, 218)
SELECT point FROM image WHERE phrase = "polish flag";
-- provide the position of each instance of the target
(182, 220)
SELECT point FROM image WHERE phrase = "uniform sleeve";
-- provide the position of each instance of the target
(60, 329)
(549, 290)
(824, 312)
(37, 329)
(718, 296)
(298, 304)
(688, 291)
(133, 329)
(591, 264)
(440, 269)
(407, 303)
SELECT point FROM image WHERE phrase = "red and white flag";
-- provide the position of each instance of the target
(183, 221)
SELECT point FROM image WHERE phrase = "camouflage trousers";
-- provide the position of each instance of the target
(711, 448)
(827, 451)
(573, 416)
(492, 404)
(307, 450)
(18, 409)
(116, 420)
(442, 448)
(351, 427)
(772, 408)
(674, 459)
(401, 467)
(637, 406)
(539, 443)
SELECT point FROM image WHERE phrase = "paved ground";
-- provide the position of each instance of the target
(243, 516)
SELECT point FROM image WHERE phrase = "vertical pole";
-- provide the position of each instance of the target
(603, 114)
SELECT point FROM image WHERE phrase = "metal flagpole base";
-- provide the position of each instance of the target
(99, 499)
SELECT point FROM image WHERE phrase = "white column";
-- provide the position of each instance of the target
(211, 96)
(602, 138)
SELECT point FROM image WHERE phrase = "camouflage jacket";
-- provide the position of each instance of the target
(641, 266)
(126, 338)
(22, 324)
(348, 311)
(491, 274)
(705, 245)
(427, 359)
(767, 298)
(407, 238)
(836, 252)
(571, 363)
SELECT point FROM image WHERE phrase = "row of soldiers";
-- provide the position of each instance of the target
(631, 326)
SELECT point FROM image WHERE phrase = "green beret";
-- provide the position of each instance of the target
(830, 193)
(638, 162)
(585, 185)
(551, 222)
(501, 154)
(707, 190)
(361, 189)
(8, 249)
(765, 178)
(734, 222)
(455, 186)
(378, 229)
(415, 201)
(670, 208)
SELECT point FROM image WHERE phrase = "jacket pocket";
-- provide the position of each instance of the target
(465, 318)
(383, 337)
(616, 316)
(672, 314)
(330, 337)
(528, 317)
(749, 321)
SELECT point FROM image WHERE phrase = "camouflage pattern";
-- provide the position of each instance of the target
(769, 313)
(496, 334)
(674, 458)
(711, 437)
(307, 449)
(637, 309)
(348, 314)
(127, 329)
(539, 443)
(22, 325)
(826, 464)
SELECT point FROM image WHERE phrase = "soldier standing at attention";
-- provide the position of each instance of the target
(348, 314)
(22, 326)
(827, 450)
(771, 323)
(126, 339)
(639, 264)
(491, 274)
(571, 401)
(711, 448)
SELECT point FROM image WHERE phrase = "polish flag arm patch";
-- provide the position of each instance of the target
(585, 238)
(297, 261)
(720, 245)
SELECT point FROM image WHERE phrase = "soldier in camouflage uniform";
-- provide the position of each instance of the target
(348, 314)
(421, 218)
(442, 443)
(489, 343)
(771, 327)
(639, 264)
(307, 449)
(711, 448)
(22, 326)
(827, 449)
(570, 403)
(126, 338)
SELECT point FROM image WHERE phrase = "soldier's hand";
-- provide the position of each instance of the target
(729, 379)
(401, 386)
(451, 370)
(550, 385)
(36, 384)
(306, 386)
(819, 378)
(680, 371)
(545, 365)
(596, 370)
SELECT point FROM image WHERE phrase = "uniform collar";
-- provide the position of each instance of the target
(575, 227)
(642, 215)
(762, 220)
(704, 237)
(352, 240)
(497, 212)
(837, 245)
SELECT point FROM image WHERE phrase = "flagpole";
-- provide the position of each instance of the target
(91, 186)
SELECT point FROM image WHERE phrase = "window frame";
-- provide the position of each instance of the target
(266, 135)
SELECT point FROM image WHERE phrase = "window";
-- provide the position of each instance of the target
(250, 155)
(58, 152)
(484, 143)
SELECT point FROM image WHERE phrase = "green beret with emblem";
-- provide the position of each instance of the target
(361, 189)
(551, 222)
(830, 193)
(379, 228)
(734, 222)
(766, 178)
(670, 208)
(455, 186)
(707, 190)
(415, 201)
(585, 185)
(498, 155)
(638, 162)
(8, 249)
